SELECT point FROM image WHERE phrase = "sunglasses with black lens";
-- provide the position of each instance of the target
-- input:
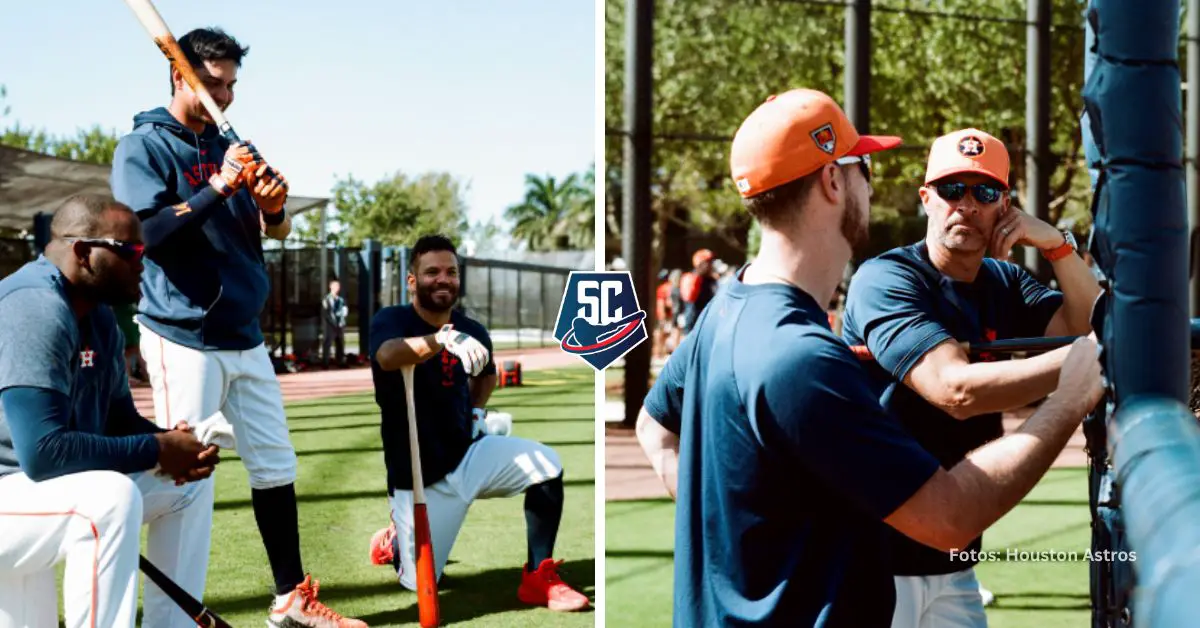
(127, 251)
(986, 193)
(863, 161)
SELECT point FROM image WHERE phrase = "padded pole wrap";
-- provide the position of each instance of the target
(1133, 140)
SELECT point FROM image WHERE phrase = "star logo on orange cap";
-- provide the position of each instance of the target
(825, 138)
(970, 147)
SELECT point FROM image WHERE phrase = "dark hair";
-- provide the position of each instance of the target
(782, 203)
(209, 44)
(429, 244)
(82, 215)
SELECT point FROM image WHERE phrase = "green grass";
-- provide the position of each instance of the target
(342, 502)
(1043, 594)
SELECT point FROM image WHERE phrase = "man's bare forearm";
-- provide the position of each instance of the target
(661, 447)
(995, 477)
(397, 352)
(279, 231)
(988, 387)
(1080, 289)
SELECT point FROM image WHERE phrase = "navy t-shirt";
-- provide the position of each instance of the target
(901, 307)
(441, 394)
(787, 467)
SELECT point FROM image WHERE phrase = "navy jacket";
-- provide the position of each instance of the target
(205, 281)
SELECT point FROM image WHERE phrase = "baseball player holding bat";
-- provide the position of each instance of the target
(911, 307)
(764, 427)
(80, 469)
(454, 377)
(205, 205)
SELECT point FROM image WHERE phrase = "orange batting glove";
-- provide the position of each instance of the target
(270, 192)
(231, 177)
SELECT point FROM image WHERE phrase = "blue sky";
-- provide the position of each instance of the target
(488, 91)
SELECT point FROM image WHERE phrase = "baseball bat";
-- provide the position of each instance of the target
(154, 24)
(427, 593)
(190, 605)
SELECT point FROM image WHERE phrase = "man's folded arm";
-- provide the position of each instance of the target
(46, 448)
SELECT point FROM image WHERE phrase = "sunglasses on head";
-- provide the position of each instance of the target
(986, 193)
(127, 251)
(863, 161)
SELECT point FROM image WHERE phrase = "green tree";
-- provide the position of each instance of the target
(399, 209)
(93, 145)
(716, 60)
(555, 214)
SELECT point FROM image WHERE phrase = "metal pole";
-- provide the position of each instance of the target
(283, 294)
(1037, 124)
(402, 275)
(324, 235)
(323, 267)
(857, 80)
(368, 278)
(635, 223)
(1192, 167)
(518, 308)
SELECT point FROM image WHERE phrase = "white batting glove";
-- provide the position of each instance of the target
(471, 352)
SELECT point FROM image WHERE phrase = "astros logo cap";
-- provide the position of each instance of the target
(968, 150)
(794, 134)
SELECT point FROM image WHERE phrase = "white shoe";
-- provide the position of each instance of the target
(300, 608)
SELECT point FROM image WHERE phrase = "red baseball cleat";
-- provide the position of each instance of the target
(543, 587)
(383, 546)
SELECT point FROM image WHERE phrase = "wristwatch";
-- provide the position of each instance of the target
(1066, 248)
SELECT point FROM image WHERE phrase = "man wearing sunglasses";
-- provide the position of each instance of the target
(80, 469)
(762, 424)
(910, 305)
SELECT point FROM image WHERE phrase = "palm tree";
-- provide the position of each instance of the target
(551, 217)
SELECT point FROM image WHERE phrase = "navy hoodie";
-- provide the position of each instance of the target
(205, 283)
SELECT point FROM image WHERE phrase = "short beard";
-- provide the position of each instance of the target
(855, 229)
(425, 299)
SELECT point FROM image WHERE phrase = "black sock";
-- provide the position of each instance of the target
(543, 511)
(279, 525)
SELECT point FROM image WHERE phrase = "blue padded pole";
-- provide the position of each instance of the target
(1133, 137)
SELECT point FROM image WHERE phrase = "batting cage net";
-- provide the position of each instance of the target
(517, 302)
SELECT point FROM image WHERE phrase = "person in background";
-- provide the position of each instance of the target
(333, 313)
(665, 314)
(697, 288)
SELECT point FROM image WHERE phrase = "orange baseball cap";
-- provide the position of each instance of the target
(793, 134)
(968, 150)
(702, 255)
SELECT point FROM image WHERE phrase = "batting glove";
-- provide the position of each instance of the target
(471, 352)
(230, 178)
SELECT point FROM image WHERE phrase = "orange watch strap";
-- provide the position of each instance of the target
(1058, 252)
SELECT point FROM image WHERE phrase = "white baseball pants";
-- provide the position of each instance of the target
(495, 466)
(238, 388)
(93, 520)
(946, 601)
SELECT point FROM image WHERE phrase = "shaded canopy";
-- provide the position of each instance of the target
(32, 183)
